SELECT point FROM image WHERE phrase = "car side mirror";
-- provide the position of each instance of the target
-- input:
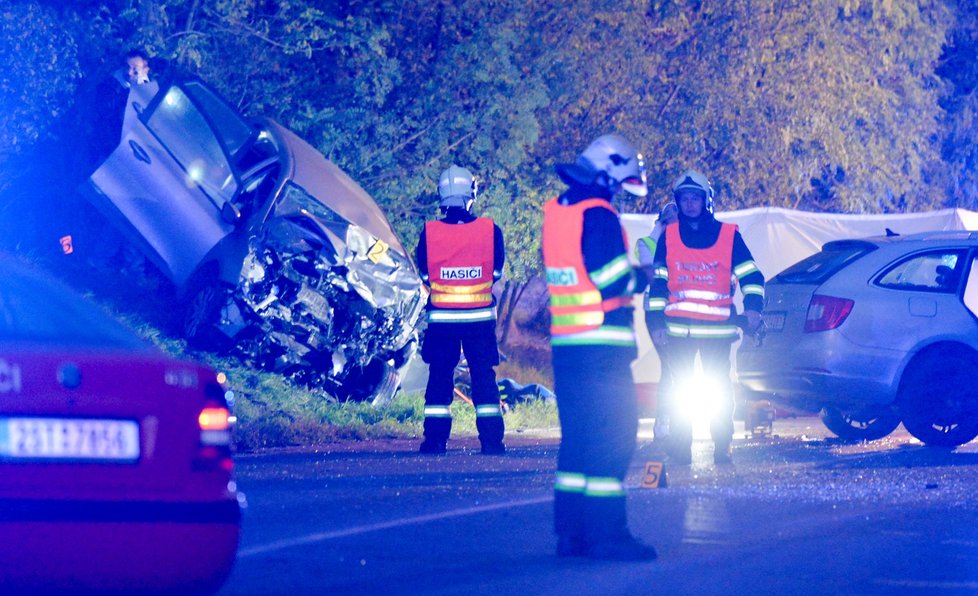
(230, 214)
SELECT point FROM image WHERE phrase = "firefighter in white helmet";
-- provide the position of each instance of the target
(591, 283)
(645, 254)
(460, 257)
(691, 308)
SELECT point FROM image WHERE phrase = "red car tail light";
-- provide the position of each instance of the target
(215, 426)
(215, 421)
(826, 312)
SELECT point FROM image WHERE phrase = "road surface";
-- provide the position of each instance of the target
(798, 512)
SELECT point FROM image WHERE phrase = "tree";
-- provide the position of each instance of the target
(40, 71)
(803, 104)
(827, 105)
(959, 67)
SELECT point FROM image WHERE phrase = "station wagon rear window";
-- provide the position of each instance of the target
(936, 271)
(833, 257)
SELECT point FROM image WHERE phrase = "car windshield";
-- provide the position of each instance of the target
(822, 265)
(296, 198)
(35, 310)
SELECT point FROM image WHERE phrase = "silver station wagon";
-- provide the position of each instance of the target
(874, 332)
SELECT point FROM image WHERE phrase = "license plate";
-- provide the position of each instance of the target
(774, 321)
(69, 439)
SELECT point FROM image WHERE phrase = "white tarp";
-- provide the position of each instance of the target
(780, 237)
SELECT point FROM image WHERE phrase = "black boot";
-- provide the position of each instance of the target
(722, 454)
(571, 546)
(432, 447)
(493, 448)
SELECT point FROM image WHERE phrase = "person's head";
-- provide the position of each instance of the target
(137, 67)
(669, 214)
(457, 187)
(693, 195)
(610, 163)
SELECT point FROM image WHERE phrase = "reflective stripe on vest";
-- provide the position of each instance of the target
(461, 316)
(460, 261)
(606, 335)
(576, 305)
(484, 410)
(437, 412)
(700, 284)
(649, 243)
(701, 331)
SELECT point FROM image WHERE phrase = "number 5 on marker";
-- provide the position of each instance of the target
(654, 475)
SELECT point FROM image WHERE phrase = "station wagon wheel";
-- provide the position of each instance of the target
(939, 399)
(866, 424)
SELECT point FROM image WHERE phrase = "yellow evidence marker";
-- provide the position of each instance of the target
(655, 475)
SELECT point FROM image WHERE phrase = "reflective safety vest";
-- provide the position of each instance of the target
(460, 262)
(700, 284)
(575, 301)
(650, 244)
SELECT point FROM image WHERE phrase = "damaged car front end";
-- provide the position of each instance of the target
(281, 258)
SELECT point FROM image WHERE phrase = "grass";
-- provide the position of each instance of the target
(272, 412)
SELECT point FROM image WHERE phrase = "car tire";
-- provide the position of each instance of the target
(867, 424)
(938, 398)
(377, 382)
(202, 313)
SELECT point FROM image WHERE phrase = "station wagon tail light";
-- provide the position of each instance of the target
(826, 312)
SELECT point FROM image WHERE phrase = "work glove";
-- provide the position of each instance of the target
(754, 321)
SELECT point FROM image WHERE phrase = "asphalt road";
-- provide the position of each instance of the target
(798, 512)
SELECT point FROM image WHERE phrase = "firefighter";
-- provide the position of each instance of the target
(460, 257)
(591, 284)
(644, 253)
(691, 308)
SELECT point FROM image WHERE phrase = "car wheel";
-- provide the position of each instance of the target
(203, 312)
(867, 424)
(377, 382)
(938, 398)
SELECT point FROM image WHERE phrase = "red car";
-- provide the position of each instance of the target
(115, 459)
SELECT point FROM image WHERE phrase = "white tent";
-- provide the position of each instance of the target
(780, 237)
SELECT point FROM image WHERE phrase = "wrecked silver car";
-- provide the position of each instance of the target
(279, 257)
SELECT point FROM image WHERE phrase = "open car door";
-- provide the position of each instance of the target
(171, 176)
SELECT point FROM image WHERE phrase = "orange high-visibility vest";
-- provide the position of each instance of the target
(575, 302)
(460, 261)
(700, 284)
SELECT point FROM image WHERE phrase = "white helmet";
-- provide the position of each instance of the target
(693, 180)
(457, 187)
(609, 161)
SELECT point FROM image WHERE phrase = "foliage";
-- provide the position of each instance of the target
(41, 66)
(820, 105)
(827, 105)
(959, 67)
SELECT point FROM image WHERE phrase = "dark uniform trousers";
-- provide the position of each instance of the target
(665, 388)
(443, 345)
(715, 360)
(597, 405)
